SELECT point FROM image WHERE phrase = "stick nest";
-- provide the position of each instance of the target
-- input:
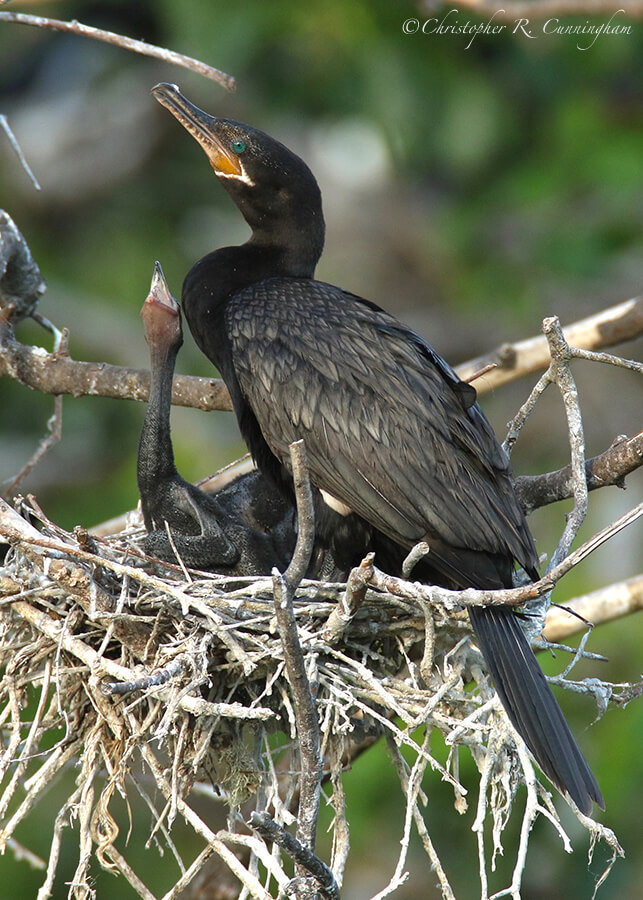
(201, 661)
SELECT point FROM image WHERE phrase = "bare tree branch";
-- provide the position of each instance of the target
(603, 605)
(608, 468)
(560, 373)
(623, 322)
(119, 40)
(54, 374)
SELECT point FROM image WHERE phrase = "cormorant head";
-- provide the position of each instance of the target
(274, 189)
(161, 317)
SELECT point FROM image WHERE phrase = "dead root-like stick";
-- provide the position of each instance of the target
(350, 602)
(303, 702)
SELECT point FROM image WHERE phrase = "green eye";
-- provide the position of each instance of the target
(238, 146)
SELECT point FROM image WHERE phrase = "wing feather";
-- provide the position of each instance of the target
(368, 395)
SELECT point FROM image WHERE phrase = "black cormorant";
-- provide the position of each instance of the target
(398, 449)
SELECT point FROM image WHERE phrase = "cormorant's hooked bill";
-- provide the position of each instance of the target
(203, 128)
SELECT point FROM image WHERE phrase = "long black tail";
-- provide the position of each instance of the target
(531, 705)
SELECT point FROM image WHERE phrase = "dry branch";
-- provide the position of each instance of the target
(609, 468)
(603, 605)
(53, 373)
(623, 322)
(517, 596)
(45, 372)
(119, 40)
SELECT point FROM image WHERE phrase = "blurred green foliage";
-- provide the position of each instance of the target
(509, 186)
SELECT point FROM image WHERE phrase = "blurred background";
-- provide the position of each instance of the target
(471, 192)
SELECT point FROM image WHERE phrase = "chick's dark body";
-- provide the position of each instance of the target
(398, 449)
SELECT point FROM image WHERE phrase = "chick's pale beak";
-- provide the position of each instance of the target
(201, 126)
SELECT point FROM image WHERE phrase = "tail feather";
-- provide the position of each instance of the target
(531, 705)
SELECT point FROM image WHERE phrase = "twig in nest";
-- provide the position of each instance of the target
(147, 681)
(119, 40)
(303, 857)
(345, 610)
(509, 596)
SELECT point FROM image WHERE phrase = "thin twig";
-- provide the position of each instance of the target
(55, 433)
(119, 40)
(4, 124)
(631, 364)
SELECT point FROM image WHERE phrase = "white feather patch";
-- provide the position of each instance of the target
(335, 504)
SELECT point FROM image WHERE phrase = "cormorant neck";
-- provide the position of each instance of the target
(294, 246)
(155, 455)
(288, 225)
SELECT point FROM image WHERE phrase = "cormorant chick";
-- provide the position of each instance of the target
(247, 527)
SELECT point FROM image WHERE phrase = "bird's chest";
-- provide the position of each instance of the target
(205, 315)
